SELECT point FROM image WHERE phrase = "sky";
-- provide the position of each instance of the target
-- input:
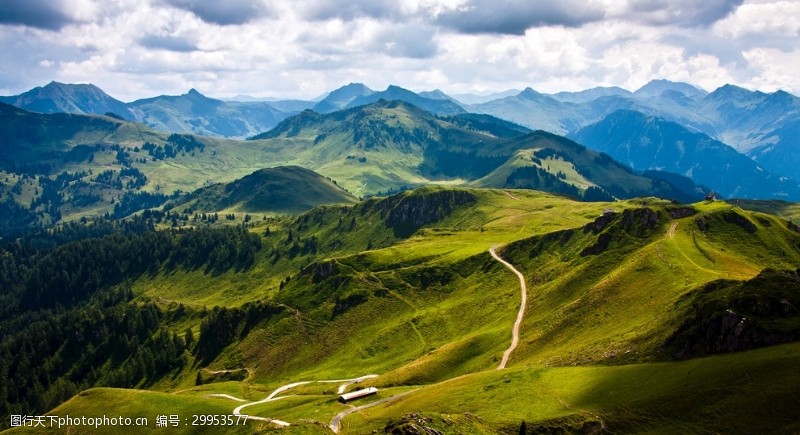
(303, 48)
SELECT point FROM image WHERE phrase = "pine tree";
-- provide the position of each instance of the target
(188, 338)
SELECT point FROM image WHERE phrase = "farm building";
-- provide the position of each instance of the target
(344, 398)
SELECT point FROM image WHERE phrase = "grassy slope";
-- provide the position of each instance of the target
(786, 210)
(718, 394)
(615, 306)
(286, 189)
(436, 307)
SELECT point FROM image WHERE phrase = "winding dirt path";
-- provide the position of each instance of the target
(672, 230)
(274, 396)
(337, 419)
(520, 314)
(227, 396)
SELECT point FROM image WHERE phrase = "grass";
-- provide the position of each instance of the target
(133, 404)
(434, 311)
(721, 393)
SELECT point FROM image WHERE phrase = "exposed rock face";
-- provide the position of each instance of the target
(320, 270)
(600, 246)
(732, 217)
(406, 214)
(680, 212)
(635, 222)
(599, 224)
(639, 221)
(411, 424)
(728, 316)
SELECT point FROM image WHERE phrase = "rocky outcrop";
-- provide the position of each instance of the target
(412, 424)
(638, 223)
(680, 212)
(406, 213)
(603, 240)
(320, 270)
(728, 316)
(701, 223)
(599, 224)
(732, 217)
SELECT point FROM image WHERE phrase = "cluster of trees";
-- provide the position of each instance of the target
(15, 218)
(546, 153)
(535, 178)
(68, 320)
(134, 178)
(176, 143)
(72, 272)
(224, 325)
(109, 178)
(132, 202)
(48, 355)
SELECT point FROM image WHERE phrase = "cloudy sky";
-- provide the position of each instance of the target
(303, 48)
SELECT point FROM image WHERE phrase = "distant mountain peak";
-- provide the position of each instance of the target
(654, 88)
(54, 97)
(529, 93)
(341, 97)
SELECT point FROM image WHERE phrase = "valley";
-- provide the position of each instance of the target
(483, 277)
(411, 293)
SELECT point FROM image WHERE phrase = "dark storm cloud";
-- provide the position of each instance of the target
(684, 13)
(170, 43)
(43, 14)
(224, 13)
(514, 17)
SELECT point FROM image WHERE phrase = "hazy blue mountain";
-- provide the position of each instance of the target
(649, 142)
(755, 123)
(590, 95)
(655, 88)
(537, 111)
(466, 99)
(195, 113)
(68, 98)
(437, 94)
(291, 106)
(748, 120)
(782, 156)
(340, 98)
(396, 93)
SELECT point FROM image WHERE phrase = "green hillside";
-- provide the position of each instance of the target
(548, 162)
(404, 288)
(287, 189)
(60, 167)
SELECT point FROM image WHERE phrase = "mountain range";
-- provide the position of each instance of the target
(473, 274)
(759, 125)
(64, 165)
(649, 142)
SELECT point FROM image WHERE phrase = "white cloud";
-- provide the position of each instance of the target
(781, 18)
(286, 48)
(773, 69)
